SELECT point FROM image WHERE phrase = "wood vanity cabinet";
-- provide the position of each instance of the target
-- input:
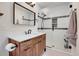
(32, 47)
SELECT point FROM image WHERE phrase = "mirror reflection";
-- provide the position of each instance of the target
(23, 15)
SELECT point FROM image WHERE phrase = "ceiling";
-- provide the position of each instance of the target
(51, 4)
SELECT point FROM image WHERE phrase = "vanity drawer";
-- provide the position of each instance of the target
(26, 51)
(26, 43)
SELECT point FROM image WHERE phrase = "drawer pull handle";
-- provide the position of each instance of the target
(26, 49)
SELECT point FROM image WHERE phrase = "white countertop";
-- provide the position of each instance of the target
(22, 37)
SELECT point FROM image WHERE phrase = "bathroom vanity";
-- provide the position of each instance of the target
(28, 45)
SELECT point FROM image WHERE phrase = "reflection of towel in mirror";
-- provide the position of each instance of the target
(72, 30)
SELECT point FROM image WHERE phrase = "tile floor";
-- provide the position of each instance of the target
(55, 52)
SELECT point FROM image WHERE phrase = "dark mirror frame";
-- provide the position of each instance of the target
(15, 3)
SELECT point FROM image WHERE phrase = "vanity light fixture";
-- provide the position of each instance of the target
(1, 14)
(32, 4)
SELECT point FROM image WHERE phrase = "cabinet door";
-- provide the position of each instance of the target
(39, 46)
(44, 41)
(38, 49)
(35, 50)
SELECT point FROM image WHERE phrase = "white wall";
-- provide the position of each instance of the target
(7, 26)
(56, 37)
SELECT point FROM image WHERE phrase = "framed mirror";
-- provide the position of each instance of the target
(23, 15)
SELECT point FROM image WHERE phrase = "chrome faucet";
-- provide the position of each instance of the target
(28, 32)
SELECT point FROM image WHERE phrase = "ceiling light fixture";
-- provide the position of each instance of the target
(32, 4)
